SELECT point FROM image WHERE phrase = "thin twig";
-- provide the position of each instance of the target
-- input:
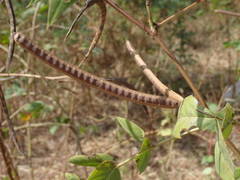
(16, 56)
(181, 12)
(12, 171)
(34, 76)
(149, 13)
(9, 121)
(227, 12)
(88, 4)
(154, 80)
(12, 22)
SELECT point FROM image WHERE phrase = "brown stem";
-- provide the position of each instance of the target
(181, 12)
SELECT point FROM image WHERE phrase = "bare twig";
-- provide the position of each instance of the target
(88, 4)
(33, 76)
(150, 20)
(154, 80)
(12, 171)
(227, 12)
(9, 121)
(181, 12)
(163, 46)
(16, 56)
(98, 34)
(12, 22)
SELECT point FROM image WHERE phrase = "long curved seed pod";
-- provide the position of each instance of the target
(94, 81)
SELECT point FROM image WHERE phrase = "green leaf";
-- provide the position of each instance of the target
(189, 115)
(37, 107)
(53, 129)
(71, 176)
(94, 161)
(237, 173)
(232, 44)
(32, 2)
(207, 159)
(104, 157)
(14, 91)
(207, 171)
(105, 171)
(56, 8)
(226, 114)
(223, 163)
(131, 128)
(144, 155)
(63, 119)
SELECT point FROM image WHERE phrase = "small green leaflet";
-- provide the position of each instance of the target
(56, 8)
(131, 128)
(237, 173)
(71, 176)
(144, 155)
(105, 171)
(189, 116)
(93, 161)
(226, 114)
(223, 163)
(14, 91)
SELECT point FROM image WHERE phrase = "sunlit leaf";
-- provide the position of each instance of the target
(131, 128)
(207, 171)
(53, 129)
(223, 163)
(192, 115)
(56, 8)
(144, 155)
(71, 176)
(226, 114)
(237, 173)
(94, 161)
(105, 171)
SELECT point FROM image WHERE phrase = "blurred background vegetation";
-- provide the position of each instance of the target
(70, 117)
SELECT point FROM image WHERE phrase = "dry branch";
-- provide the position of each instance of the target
(154, 80)
(181, 12)
(227, 12)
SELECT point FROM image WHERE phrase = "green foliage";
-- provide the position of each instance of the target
(232, 44)
(237, 173)
(59, 120)
(221, 122)
(207, 171)
(219, 4)
(223, 163)
(34, 110)
(207, 159)
(144, 155)
(94, 161)
(71, 176)
(105, 171)
(56, 8)
(131, 128)
(191, 115)
(14, 91)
